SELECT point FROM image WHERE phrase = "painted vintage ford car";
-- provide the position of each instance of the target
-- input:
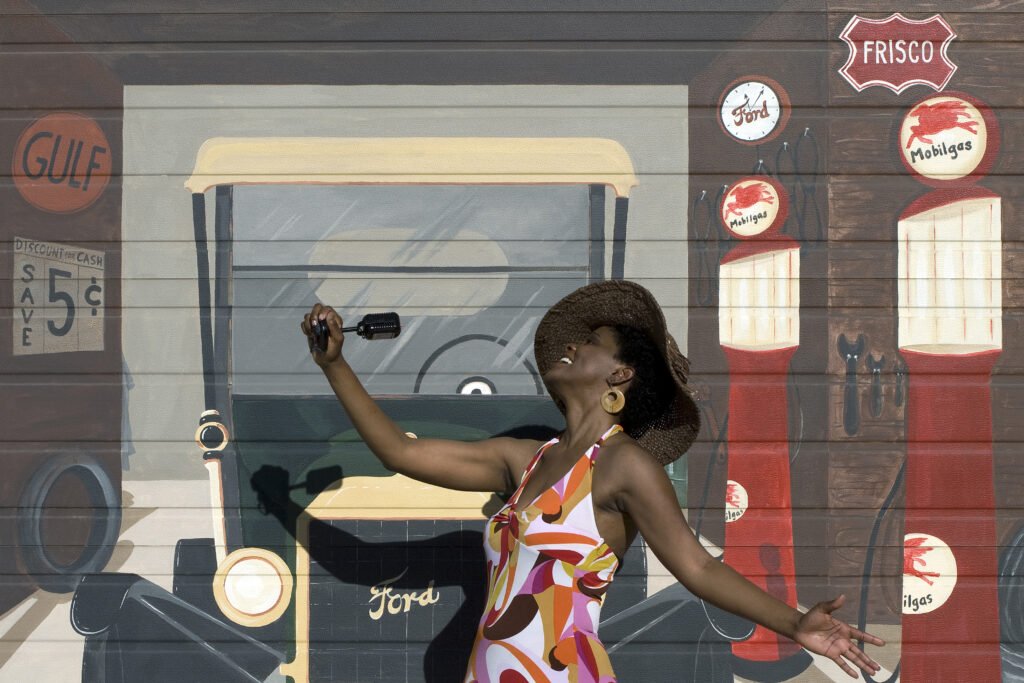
(321, 560)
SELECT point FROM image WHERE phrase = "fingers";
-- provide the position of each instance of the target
(323, 329)
(320, 312)
(307, 320)
(855, 634)
(333, 321)
(850, 671)
(858, 659)
(865, 637)
(329, 317)
(861, 660)
(832, 606)
(844, 653)
(839, 637)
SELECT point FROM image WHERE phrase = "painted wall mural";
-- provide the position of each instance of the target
(824, 202)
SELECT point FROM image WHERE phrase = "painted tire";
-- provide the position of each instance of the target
(57, 567)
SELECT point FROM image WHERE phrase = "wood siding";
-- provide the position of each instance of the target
(158, 81)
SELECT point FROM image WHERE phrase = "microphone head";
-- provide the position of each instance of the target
(379, 326)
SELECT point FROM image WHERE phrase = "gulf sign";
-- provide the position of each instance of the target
(62, 162)
(897, 53)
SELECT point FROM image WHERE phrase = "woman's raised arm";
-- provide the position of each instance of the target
(488, 465)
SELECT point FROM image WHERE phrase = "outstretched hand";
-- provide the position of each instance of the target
(823, 634)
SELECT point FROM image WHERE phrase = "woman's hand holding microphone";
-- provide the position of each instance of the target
(324, 332)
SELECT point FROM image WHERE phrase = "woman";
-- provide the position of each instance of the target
(576, 503)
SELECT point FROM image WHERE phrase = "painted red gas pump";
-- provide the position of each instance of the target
(950, 334)
(759, 330)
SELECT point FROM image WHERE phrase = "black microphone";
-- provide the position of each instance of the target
(377, 326)
(372, 326)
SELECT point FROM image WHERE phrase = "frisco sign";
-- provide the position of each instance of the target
(897, 52)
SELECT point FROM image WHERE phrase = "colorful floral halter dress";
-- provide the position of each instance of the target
(547, 570)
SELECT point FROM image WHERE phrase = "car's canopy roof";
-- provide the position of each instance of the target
(426, 161)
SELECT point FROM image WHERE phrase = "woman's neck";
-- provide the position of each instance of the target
(586, 424)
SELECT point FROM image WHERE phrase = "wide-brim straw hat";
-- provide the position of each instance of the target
(620, 302)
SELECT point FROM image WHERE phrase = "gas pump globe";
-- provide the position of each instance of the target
(759, 330)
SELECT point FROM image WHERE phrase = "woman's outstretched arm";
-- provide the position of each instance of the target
(488, 465)
(646, 495)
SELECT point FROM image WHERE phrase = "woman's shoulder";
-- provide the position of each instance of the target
(523, 445)
(624, 453)
(518, 451)
(625, 470)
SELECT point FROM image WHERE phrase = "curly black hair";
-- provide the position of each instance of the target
(651, 389)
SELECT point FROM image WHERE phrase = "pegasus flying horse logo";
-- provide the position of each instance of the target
(747, 196)
(913, 555)
(733, 495)
(940, 117)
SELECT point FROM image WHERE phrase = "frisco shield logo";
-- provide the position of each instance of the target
(929, 573)
(754, 206)
(736, 501)
(947, 138)
(897, 53)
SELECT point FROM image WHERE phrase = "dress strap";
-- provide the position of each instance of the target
(529, 468)
(612, 431)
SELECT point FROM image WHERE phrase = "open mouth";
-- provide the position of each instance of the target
(566, 360)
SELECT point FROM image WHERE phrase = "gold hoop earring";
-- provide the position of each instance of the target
(613, 401)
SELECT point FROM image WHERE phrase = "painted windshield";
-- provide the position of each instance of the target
(409, 249)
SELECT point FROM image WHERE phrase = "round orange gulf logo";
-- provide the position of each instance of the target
(62, 162)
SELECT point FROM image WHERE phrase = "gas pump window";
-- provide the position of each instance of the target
(469, 268)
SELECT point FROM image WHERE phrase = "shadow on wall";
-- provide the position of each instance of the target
(135, 631)
(405, 563)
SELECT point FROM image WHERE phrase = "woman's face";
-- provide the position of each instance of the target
(591, 360)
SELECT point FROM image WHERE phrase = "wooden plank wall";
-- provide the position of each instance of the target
(864, 176)
(851, 186)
